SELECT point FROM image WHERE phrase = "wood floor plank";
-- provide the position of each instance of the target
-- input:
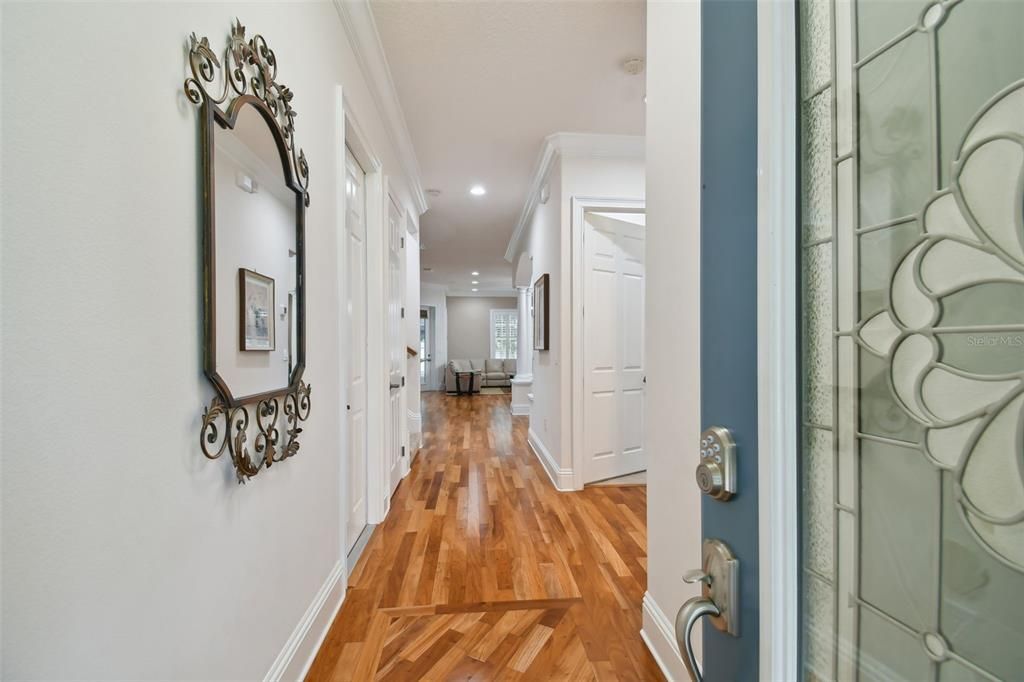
(483, 571)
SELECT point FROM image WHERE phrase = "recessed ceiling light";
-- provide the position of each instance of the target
(475, 289)
(475, 282)
(475, 273)
(477, 190)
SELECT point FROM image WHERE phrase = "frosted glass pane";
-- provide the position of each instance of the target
(982, 598)
(895, 164)
(817, 334)
(951, 671)
(888, 653)
(880, 253)
(815, 44)
(980, 53)
(817, 166)
(984, 353)
(880, 415)
(819, 615)
(990, 303)
(818, 500)
(879, 21)
(899, 532)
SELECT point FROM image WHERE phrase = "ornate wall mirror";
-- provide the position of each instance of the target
(254, 191)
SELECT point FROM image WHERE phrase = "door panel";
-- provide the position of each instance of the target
(613, 285)
(912, 164)
(728, 305)
(355, 228)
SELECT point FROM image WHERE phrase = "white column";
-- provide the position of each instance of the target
(524, 337)
(523, 381)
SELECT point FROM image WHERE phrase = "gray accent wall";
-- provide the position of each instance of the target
(469, 324)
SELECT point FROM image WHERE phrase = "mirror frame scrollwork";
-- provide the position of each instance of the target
(245, 74)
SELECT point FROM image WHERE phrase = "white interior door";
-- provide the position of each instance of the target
(355, 226)
(396, 346)
(613, 345)
(426, 350)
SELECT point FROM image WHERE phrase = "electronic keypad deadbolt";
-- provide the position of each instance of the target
(716, 473)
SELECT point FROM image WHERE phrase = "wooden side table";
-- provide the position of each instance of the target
(458, 383)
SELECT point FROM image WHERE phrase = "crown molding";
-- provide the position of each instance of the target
(361, 29)
(570, 145)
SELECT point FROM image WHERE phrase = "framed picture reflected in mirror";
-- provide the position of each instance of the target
(256, 312)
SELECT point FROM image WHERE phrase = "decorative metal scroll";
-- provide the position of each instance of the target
(247, 67)
(226, 430)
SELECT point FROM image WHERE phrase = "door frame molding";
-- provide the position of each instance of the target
(354, 137)
(778, 338)
(572, 343)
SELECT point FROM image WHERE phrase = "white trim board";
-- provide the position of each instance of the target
(562, 479)
(357, 20)
(302, 646)
(574, 145)
(777, 323)
(659, 635)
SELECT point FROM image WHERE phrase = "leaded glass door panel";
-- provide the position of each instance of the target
(912, 174)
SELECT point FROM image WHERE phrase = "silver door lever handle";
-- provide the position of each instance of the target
(719, 599)
(693, 610)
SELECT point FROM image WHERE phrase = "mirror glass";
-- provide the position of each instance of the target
(255, 259)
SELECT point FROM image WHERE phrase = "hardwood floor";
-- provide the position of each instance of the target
(483, 571)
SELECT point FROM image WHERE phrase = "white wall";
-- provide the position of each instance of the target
(548, 241)
(543, 244)
(673, 312)
(126, 554)
(435, 297)
(469, 324)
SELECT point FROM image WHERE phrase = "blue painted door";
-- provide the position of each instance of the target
(729, 303)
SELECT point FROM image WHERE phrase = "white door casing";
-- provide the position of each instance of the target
(355, 231)
(395, 340)
(613, 344)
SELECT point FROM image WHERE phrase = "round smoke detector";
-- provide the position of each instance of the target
(634, 66)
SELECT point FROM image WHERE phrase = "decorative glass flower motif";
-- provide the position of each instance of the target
(973, 417)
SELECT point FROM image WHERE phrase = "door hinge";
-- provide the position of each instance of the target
(403, 381)
(402, 243)
(403, 313)
(403, 451)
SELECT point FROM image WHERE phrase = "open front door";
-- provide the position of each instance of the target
(909, 392)
(728, 342)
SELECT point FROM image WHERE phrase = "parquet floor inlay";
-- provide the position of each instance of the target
(483, 571)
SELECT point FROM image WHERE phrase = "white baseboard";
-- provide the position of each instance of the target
(301, 648)
(659, 634)
(561, 478)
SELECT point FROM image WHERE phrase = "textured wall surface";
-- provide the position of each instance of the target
(126, 554)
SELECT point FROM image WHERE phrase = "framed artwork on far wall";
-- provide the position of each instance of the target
(540, 313)
(256, 308)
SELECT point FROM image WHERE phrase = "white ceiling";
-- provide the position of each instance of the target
(481, 83)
